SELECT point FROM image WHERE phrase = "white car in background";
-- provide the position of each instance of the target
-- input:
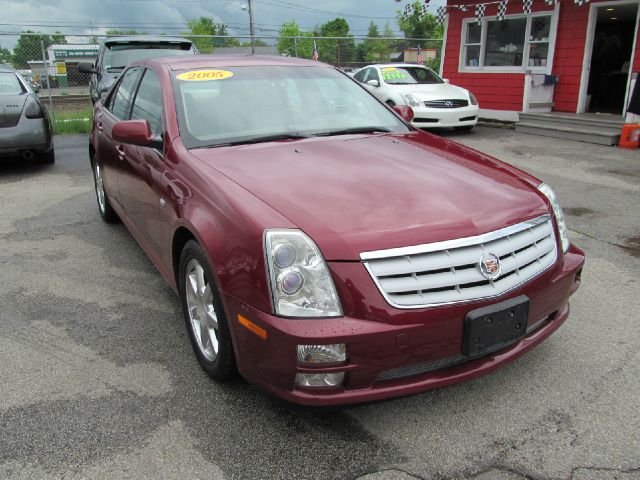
(434, 101)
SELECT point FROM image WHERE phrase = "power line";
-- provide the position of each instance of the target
(295, 6)
(273, 3)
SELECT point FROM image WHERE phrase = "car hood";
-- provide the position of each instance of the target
(353, 194)
(11, 108)
(436, 91)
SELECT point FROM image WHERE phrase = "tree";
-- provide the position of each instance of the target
(338, 52)
(294, 42)
(417, 25)
(206, 26)
(29, 48)
(374, 50)
(5, 55)
(115, 31)
(258, 43)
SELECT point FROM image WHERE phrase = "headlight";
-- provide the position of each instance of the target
(301, 285)
(410, 99)
(559, 214)
(473, 99)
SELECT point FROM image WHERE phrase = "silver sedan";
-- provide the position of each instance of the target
(25, 129)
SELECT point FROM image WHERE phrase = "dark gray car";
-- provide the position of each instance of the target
(25, 129)
(117, 52)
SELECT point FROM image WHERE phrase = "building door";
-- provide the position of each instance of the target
(611, 57)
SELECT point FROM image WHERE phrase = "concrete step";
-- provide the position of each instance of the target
(590, 129)
(588, 122)
(600, 136)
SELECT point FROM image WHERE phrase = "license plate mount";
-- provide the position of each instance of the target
(493, 327)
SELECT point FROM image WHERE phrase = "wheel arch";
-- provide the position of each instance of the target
(180, 238)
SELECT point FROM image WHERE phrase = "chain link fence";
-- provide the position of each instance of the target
(50, 61)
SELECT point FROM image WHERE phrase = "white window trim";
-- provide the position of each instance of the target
(462, 67)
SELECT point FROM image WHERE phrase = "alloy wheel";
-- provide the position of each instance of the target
(100, 188)
(202, 313)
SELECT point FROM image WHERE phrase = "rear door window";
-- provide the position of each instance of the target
(120, 104)
(9, 84)
(148, 102)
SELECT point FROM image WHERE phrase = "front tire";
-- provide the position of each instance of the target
(204, 314)
(104, 207)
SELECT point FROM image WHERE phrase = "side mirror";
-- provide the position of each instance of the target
(86, 67)
(136, 132)
(405, 111)
(445, 80)
(373, 83)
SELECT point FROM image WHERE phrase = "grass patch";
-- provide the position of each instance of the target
(72, 122)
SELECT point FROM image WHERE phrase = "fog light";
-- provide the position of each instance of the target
(313, 354)
(319, 379)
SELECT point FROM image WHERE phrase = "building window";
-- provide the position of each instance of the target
(473, 44)
(517, 43)
(505, 42)
(539, 41)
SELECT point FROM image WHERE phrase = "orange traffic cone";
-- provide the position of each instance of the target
(630, 136)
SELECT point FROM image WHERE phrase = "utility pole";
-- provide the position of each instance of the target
(46, 74)
(253, 36)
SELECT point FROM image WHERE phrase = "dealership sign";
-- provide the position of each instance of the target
(70, 53)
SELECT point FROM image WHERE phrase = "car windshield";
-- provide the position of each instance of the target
(118, 56)
(409, 76)
(9, 84)
(232, 105)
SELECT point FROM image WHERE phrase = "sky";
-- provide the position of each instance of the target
(171, 16)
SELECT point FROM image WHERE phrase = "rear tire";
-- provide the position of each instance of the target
(107, 213)
(466, 128)
(204, 314)
(48, 158)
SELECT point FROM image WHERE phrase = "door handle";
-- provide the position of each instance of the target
(120, 150)
(99, 125)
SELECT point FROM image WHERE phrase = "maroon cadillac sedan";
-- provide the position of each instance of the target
(321, 246)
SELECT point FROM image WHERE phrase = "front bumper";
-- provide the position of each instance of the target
(382, 340)
(32, 135)
(445, 117)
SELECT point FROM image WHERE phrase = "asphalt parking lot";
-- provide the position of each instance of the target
(98, 379)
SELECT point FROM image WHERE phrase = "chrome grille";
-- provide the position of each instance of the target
(449, 272)
(453, 103)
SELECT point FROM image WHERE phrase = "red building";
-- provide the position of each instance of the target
(559, 58)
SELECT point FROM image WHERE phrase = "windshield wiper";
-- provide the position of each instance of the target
(348, 131)
(263, 139)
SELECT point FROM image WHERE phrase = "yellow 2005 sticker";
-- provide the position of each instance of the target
(204, 75)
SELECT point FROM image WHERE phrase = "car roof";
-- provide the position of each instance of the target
(397, 64)
(212, 61)
(6, 68)
(146, 39)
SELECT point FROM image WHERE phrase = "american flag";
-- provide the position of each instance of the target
(315, 51)
(420, 56)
